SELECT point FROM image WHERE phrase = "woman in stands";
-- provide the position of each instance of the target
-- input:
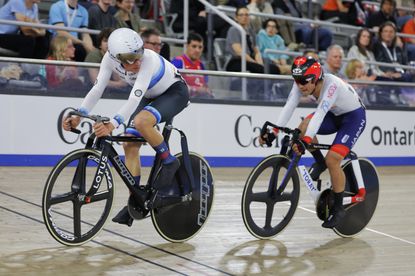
(64, 77)
(389, 49)
(254, 62)
(268, 38)
(362, 50)
(125, 16)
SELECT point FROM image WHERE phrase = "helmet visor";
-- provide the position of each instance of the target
(302, 80)
(130, 58)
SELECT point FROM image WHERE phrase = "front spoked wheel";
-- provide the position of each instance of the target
(180, 222)
(359, 215)
(72, 217)
(266, 212)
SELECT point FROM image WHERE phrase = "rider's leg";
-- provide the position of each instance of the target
(133, 164)
(338, 180)
(132, 159)
(144, 123)
(320, 165)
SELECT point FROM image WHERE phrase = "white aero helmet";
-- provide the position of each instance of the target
(125, 46)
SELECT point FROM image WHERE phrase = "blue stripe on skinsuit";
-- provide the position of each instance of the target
(133, 131)
(153, 111)
(159, 74)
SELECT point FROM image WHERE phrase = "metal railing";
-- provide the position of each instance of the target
(210, 7)
(344, 60)
(316, 23)
(71, 29)
(195, 72)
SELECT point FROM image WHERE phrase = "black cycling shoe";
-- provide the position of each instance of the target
(166, 174)
(123, 217)
(316, 169)
(334, 218)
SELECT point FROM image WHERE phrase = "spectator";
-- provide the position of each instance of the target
(29, 42)
(63, 77)
(347, 12)
(304, 32)
(69, 14)
(388, 50)
(197, 16)
(254, 62)
(152, 41)
(11, 71)
(362, 51)
(409, 28)
(335, 8)
(333, 64)
(191, 60)
(258, 6)
(100, 17)
(355, 70)
(97, 55)
(403, 15)
(125, 16)
(386, 13)
(311, 53)
(197, 19)
(268, 38)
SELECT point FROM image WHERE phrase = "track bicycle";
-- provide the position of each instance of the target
(272, 190)
(78, 194)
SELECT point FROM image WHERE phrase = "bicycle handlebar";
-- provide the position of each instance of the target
(295, 135)
(295, 132)
(96, 118)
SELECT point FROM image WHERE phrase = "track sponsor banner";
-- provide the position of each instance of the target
(226, 134)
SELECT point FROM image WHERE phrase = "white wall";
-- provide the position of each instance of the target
(29, 128)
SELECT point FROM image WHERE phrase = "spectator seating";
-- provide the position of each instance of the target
(316, 7)
(221, 57)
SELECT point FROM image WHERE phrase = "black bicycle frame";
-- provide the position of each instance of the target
(108, 153)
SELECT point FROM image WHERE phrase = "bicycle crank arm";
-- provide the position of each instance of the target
(163, 201)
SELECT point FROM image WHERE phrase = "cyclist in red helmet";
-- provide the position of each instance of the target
(339, 111)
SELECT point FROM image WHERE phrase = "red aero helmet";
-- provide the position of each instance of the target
(306, 68)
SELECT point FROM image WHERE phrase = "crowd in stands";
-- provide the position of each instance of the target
(377, 39)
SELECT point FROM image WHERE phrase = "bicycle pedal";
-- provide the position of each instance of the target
(136, 212)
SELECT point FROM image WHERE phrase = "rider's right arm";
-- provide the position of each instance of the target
(104, 75)
(289, 107)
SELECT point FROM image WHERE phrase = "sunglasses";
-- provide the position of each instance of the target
(130, 58)
(302, 81)
(155, 44)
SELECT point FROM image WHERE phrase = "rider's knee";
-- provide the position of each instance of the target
(335, 155)
(332, 162)
(143, 122)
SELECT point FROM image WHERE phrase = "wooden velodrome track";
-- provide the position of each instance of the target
(223, 247)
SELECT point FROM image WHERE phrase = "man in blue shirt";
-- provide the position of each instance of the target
(29, 42)
(69, 14)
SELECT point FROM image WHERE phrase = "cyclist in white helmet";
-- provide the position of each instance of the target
(158, 94)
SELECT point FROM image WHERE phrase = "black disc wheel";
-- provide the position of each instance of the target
(358, 215)
(266, 211)
(71, 216)
(181, 221)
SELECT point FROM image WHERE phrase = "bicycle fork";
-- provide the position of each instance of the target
(312, 190)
